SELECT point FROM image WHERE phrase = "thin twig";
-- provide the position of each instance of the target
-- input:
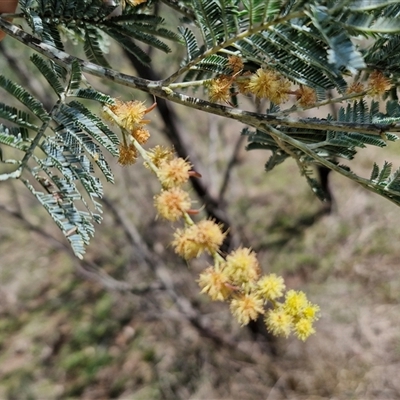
(232, 162)
(86, 268)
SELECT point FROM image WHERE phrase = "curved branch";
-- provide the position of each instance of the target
(158, 89)
(325, 162)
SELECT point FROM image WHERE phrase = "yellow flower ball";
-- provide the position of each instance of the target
(246, 307)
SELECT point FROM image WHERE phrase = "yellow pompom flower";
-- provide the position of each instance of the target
(306, 96)
(174, 172)
(214, 283)
(194, 240)
(209, 235)
(295, 303)
(173, 203)
(311, 311)
(270, 287)
(184, 243)
(268, 83)
(130, 113)
(236, 63)
(242, 266)
(160, 154)
(246, 307)
(278, 322)
(303, 328)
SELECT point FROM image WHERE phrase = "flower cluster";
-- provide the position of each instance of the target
(238, 281)
(129, 116)
(296, 314)
(267, 83)
(377, 85)
(236, 278)
(264, 83)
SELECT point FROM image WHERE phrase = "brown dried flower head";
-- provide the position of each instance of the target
(306, 96)
(378, 84)
(127, 154)
(141, 134)
(236, 63)
(355, 87)
(218, 89)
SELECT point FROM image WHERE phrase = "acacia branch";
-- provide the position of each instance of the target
(159, 89)
(263, 122)
(323, 161)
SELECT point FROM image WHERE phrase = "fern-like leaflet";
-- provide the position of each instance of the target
(60, 150)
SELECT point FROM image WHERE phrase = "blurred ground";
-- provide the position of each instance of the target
(63, 336)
